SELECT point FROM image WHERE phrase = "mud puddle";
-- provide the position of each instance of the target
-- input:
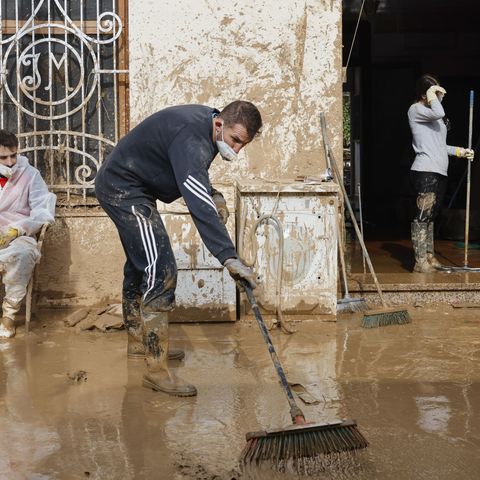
(414, 391)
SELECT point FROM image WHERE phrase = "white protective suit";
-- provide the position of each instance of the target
(25, 204)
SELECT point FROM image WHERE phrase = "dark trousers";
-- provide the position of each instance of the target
(430, 189)
(150, 271)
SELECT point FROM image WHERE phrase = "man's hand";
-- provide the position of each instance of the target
(221, 205)
(7, 237)
(465, 153)
(433, 93)
(239, 271)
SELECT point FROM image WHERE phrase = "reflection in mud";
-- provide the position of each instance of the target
(413, 390)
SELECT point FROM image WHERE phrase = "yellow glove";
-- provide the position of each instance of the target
(464, 153)
(6, 238)
(435, 92)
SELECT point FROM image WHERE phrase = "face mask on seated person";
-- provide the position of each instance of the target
(5, 171)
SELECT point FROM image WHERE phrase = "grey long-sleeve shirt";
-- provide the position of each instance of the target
(429, 138)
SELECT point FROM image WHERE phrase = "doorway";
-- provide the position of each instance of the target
(396, 42)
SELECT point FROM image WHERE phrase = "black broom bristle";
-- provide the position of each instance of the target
(382, 318)
(302, 441)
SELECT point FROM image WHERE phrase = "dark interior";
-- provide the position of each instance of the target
(397, 41)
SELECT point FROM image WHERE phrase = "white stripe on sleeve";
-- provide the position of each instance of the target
(200, 193)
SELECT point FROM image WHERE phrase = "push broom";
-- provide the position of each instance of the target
(302, 440)
(347, 303)
(385, 315)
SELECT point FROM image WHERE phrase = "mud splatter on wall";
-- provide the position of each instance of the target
(283, 56)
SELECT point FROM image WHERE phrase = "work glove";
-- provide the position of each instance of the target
(435, 92)
(221, 205)
(8, 236)
(464, 153)
(239, 271)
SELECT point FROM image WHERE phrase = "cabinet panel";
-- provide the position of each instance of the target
(308, 269)
(204, 296)
(205, 291)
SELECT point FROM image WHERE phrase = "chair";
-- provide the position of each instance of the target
(29, 295)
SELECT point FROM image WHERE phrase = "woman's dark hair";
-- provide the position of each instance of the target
(423, 84)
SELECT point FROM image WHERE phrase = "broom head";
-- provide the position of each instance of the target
(351, 305)
(306, 441)
(384, 317)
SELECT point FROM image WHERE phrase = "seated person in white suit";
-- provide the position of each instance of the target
(25, 205)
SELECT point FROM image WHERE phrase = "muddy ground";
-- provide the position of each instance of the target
(72, 405)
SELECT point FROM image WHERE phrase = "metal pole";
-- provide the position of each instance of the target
(469, 174)
(361, 222)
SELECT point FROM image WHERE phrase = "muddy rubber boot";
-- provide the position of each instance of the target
(430, 247)
(419, 241)
(155, 339)
(7, 323)
(134, 327)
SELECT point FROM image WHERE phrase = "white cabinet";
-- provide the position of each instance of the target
(205, 292)
(305, 215)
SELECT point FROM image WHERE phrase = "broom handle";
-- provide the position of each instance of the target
(294, 409)
(361, 220)
(355, 225)
(323, 125)
(341, 255)
(469, 174)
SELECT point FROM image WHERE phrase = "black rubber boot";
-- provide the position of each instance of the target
(431, 247)
(155, 340)
(419, 241)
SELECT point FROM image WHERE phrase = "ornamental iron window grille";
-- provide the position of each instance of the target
(63, 87)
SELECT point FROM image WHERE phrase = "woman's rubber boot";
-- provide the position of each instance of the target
(7, 322)
(419, 241)
(431, 248)
(155, 340)
(134, 327)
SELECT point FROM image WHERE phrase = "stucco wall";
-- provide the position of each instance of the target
(82, 263)
(284, 56)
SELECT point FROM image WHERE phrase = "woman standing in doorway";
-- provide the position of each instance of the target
(429, 170)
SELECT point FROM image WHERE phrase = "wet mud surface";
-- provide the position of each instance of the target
(414, 391)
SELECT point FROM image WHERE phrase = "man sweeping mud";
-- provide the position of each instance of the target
(166, 157)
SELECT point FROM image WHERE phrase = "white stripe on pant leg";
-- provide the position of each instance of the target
(146, 240)
(145, 245)
(151, 240)
(155, 254)
(151, 266)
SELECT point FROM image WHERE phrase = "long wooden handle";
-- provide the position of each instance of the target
(469, 178)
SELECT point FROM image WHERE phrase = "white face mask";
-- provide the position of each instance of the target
(5, 171)
(225, 150)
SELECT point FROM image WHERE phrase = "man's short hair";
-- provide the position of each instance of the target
(8, 139)
(243, 113)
